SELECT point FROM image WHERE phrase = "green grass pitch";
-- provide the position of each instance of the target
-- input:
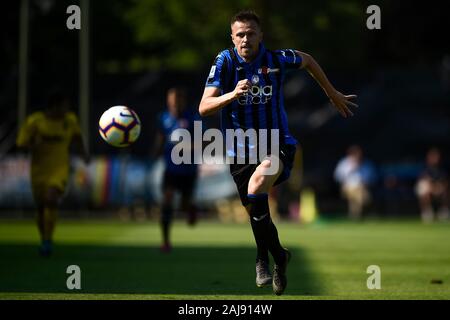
(216, 261)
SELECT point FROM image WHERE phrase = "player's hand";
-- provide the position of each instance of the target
(342, 103)
(242, 88)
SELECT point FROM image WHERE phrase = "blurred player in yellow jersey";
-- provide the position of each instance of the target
(48, 135)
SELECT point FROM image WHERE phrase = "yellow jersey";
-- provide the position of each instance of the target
(50, 141)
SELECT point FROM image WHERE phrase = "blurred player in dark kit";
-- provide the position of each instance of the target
(177, 177)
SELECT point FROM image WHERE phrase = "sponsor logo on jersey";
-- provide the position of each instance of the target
(266, 70)
(256, 94)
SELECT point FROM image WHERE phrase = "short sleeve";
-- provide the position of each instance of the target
(216, 74)
(74, 124)
(289, 59)
(27, 131)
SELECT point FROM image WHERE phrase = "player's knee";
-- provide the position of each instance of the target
(168, 196)
(166, 212)
(256, 183)
(186, 202)
(52, 198)
(271, 167)
(266, 164)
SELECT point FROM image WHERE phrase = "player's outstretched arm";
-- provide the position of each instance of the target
(212, 101)
(340, 101)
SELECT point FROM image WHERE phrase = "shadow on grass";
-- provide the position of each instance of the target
(144, 270)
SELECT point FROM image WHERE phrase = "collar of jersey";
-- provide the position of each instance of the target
(261, 51)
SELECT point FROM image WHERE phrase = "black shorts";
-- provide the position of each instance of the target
(242, 172)
(184, 183)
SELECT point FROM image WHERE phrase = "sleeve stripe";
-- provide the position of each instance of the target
(295, 56)
(216, 74)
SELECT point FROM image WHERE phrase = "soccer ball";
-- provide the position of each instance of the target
(119, 126)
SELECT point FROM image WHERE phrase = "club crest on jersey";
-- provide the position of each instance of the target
(255, 79)
(266, 70)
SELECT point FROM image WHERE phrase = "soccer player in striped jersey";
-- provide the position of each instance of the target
(245, 85)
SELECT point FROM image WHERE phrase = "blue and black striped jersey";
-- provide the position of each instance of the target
(168, 124)
(263, 106)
